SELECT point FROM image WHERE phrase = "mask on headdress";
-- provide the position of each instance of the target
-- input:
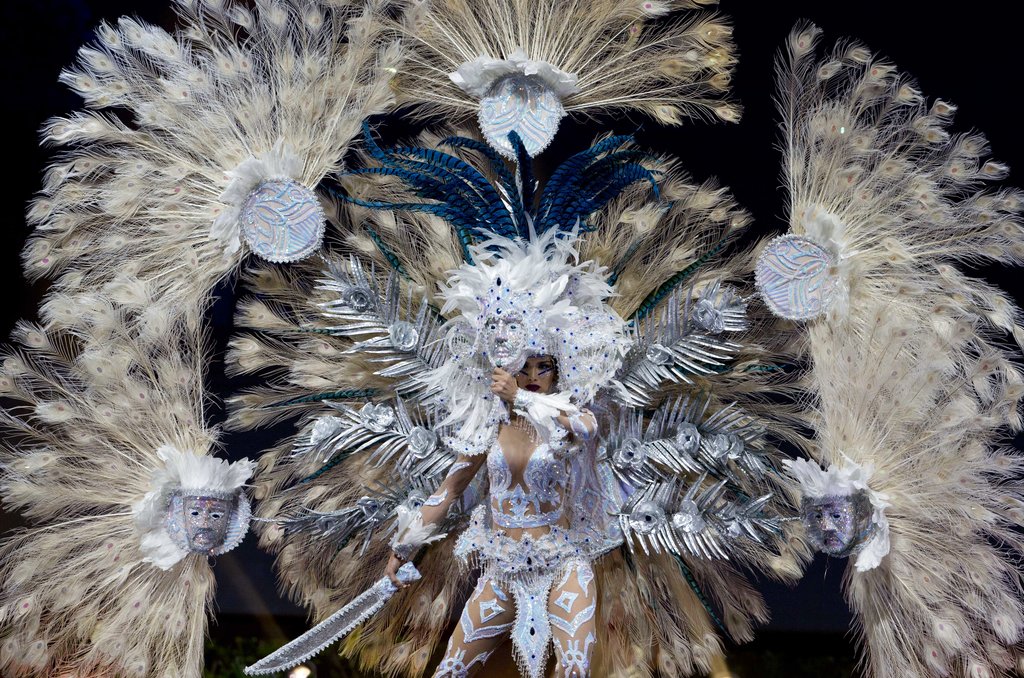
(198, 523)
(195, 505)
(842, 515)
(521, 299)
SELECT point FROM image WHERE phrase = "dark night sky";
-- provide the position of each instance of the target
(969, 59)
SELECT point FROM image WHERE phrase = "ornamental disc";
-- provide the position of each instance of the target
(796, 277)
(282, 221)
(524, 105)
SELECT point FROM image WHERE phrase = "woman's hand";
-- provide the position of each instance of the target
(504, 385)
(394, 562)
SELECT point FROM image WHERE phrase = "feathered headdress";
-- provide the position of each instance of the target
(520, 260)
(560, 307)
(521, 65)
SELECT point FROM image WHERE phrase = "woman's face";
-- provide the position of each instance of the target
(538, 375)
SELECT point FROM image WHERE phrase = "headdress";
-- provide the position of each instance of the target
(555, 306)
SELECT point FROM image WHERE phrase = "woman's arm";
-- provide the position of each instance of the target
(460, 475)
(582, 424)
(421, 526)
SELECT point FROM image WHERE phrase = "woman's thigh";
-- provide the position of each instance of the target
(572, 607)
(483, 626)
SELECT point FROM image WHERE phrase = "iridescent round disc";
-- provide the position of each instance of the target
(282, 221)
(796, 277)
(522, 104)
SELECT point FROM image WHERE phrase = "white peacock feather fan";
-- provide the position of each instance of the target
(915, 388)
(519, 65)
(199, 147)
(107, 456)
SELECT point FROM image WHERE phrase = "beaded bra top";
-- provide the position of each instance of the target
(544, 482)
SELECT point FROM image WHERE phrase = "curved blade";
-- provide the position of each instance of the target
(334, 628)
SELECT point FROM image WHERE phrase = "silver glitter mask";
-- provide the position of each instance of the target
(838, 525)
(200, 524)
(206, 522)
(505, 336)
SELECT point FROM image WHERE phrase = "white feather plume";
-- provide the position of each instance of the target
(91, 417)
(233, 97)
(600, 56)
(912, 375)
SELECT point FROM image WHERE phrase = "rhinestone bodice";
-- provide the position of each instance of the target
(535, 500)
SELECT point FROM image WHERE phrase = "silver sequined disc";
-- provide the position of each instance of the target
(522, 104)
(796, 277)
(282, 221)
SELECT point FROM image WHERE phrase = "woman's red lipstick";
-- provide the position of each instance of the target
(532, 387)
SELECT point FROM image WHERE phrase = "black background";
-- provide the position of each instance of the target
(970, 57)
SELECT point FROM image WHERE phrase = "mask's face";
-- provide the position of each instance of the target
(538, 374)
(206, 522)
(837, 525)
(504, 335)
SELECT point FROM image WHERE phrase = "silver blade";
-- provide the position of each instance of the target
(335, 627)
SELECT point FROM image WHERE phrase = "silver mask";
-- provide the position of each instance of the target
(838, 525)
(505, 339)
(206, 521)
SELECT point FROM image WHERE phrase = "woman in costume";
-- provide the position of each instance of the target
(674, 463)
(536, 579)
